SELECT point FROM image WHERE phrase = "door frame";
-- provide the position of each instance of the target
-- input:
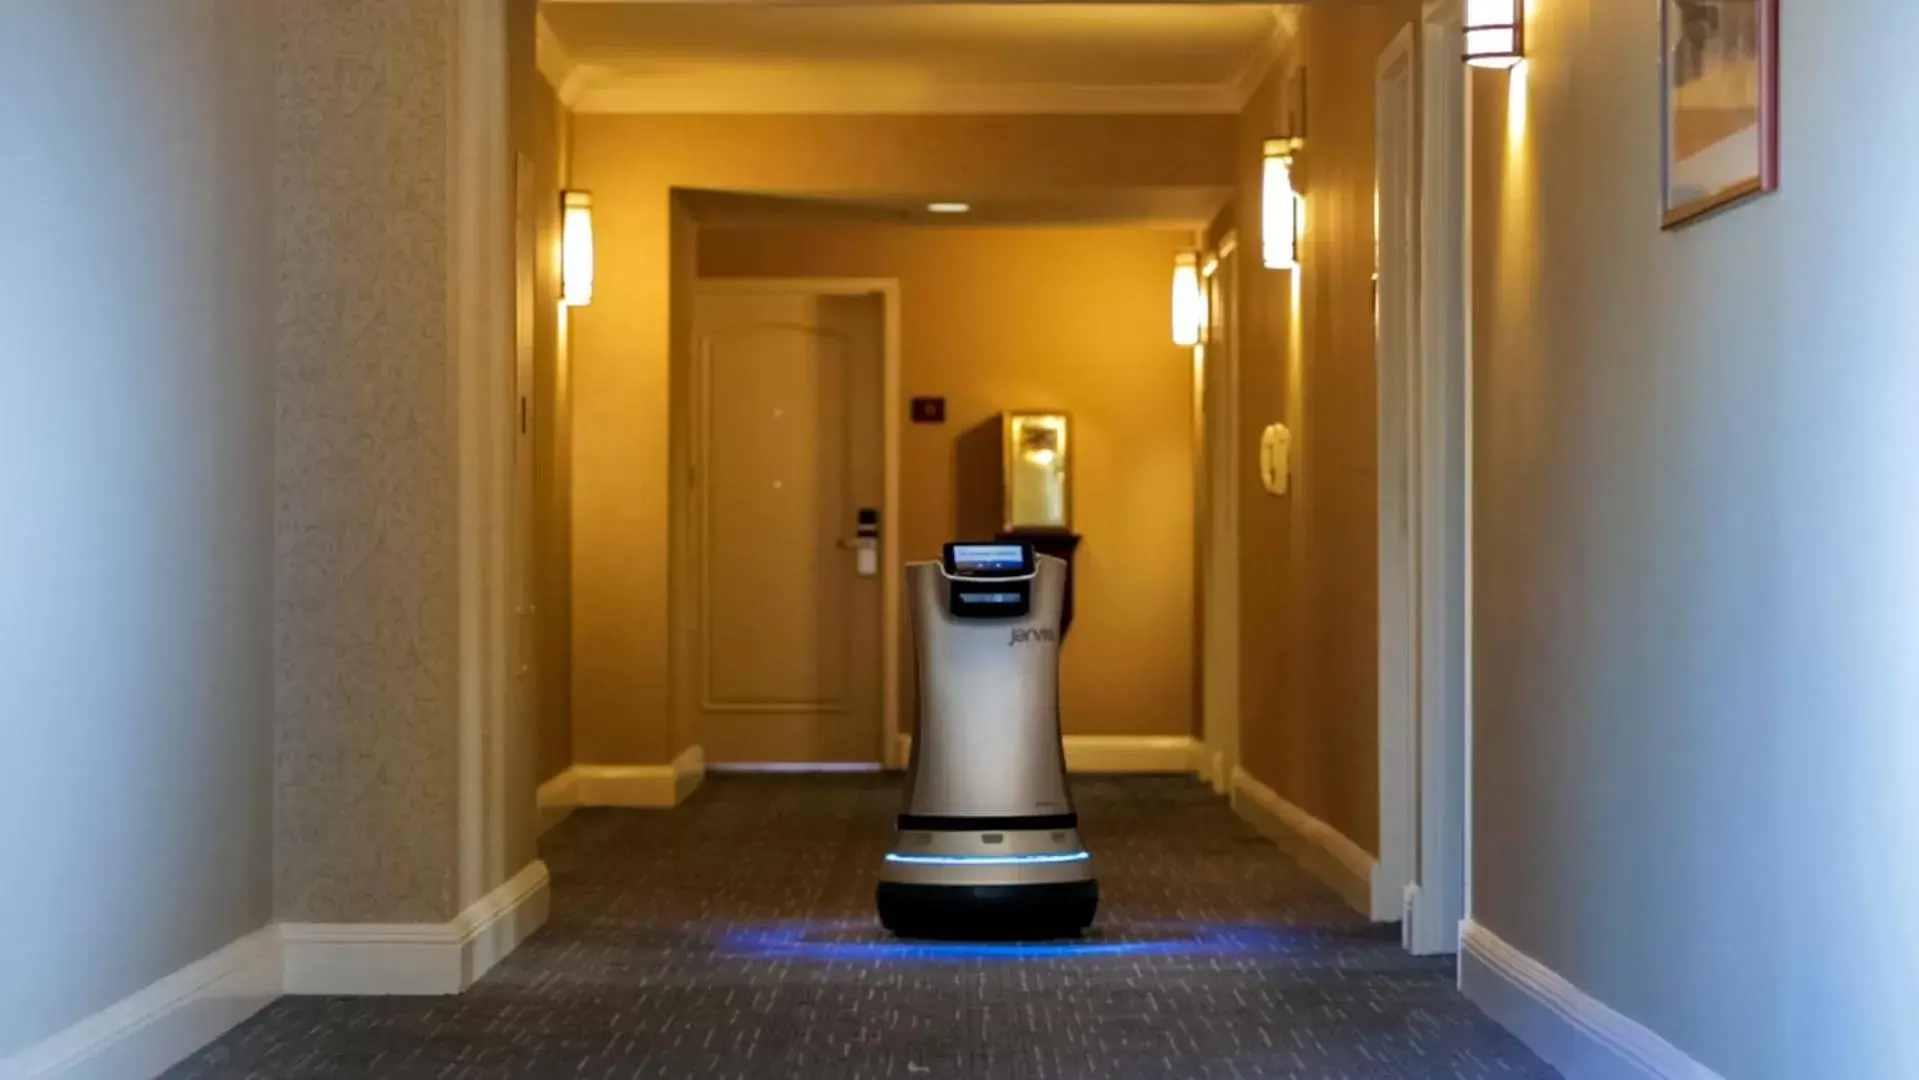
(480, 375)
(1399, 582)
(1220, 717)
(1439, 903)
(683, 591)
(1425, 653)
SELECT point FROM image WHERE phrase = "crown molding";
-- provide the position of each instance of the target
(1269, 55)
(591, 88)
(556, 64)
(600, 92)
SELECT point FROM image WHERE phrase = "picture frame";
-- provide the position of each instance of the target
(1719, 105)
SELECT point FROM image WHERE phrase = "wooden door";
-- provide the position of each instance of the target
(787, 450)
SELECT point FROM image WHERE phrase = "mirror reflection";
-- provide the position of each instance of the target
(1037, 495)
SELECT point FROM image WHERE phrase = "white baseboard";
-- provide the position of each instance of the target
(1575, 1033)
(633, 786)
(147, 1033)
(1390, 899)
(498, 922)
(415, 958)
(556, 799)
(794, 768)
(1119, 753)
(1319, 847)
(1132, 754)
(1213, 768)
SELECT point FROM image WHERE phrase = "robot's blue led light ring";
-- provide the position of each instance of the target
(988, 860)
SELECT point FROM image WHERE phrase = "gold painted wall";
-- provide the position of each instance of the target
(621, 691)
(1070, 319)
(1309, 564)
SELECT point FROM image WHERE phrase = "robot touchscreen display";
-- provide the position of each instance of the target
(990, 560)
(990, 581)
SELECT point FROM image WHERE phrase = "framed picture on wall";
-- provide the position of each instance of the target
(1721, 101)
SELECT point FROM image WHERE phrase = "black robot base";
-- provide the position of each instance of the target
(988, 912)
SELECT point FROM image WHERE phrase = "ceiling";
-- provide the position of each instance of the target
(1183, 207)
(642, 56)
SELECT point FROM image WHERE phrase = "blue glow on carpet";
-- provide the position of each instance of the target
(863, 941)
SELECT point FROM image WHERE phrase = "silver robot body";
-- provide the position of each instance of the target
(989, 842)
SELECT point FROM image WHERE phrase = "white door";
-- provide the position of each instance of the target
(787, 450)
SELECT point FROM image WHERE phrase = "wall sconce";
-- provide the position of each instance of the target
(1189, 303)
(576, 248)
(1495, 33)
(1280, 205)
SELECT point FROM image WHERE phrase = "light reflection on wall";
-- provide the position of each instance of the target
(1296, 354)
(1518, 98)
(1517, 246)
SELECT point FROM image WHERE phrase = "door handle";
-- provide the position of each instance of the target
(866, 545)
(866, 554)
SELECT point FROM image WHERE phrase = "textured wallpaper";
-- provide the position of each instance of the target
(365, 588)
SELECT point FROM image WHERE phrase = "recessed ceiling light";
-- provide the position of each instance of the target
(948, 207)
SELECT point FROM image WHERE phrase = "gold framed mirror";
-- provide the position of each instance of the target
(1037, 455)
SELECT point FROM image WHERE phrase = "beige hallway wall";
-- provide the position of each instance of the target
(1309, 561)
(1696, 604)
(622, 701)
(1070, 319)
(366, 585)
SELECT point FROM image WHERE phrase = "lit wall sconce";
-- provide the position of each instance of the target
(1280, 205)
(1495, 33)
(576, 248)
(1189, 303)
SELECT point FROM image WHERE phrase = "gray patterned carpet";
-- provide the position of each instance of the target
(734, 937)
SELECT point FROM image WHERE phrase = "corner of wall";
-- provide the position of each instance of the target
(341, 384)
